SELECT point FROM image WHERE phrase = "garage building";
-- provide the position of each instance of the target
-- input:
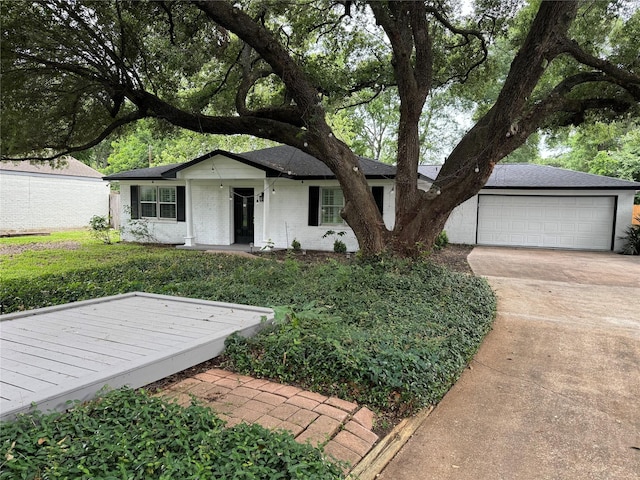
(527, 205)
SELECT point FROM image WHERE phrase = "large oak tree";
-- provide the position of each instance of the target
(74, 72)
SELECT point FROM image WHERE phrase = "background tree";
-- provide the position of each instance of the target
(147, 145)
(610, 149)
(75, 72)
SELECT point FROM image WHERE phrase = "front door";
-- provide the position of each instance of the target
(243, 215)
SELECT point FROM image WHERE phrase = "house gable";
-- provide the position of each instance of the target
(220, 167)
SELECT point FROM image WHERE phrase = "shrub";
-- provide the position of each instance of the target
(140, 229)
(101, 228)
(130, 434)
(441, 241)
(338, 245)
(632, 239)
(296, 245)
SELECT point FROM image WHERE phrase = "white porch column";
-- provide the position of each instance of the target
(265, 211)
(189, 240)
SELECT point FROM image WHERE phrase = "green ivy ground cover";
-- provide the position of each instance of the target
(392, 334)
(131, 435)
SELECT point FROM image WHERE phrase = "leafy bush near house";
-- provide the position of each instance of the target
(295, 244)
(338, 245)
(129, 434)
(392, 334)
(632, 239)
(101, 228)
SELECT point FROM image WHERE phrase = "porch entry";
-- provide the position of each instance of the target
(243, 205)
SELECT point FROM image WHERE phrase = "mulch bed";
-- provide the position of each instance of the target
(453, 256)
(16, 249)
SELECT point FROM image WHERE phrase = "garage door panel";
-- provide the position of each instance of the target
(554, 222)
(551, 227)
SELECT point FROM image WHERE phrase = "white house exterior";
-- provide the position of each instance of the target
(265, 198)
(528, 205)
(39, 197)
(276, 195)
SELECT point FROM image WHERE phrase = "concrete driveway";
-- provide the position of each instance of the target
(554, 391)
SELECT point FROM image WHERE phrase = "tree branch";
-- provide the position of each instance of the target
(271, 125)
(66, 150)
(263, 42)
(552, 20)
(377, 93)
(624, 78)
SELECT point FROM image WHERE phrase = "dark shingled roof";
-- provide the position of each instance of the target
(283, 161)
(532, 176)
(151, 173)
(69, 167)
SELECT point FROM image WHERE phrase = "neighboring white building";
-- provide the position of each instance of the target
(276, 195)
(39, 197)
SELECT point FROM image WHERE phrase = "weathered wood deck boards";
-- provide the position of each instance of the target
(53, 355)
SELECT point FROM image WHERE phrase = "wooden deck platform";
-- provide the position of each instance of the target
(54, 355)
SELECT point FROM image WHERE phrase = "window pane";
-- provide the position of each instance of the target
(332, 197)
(332, 204)
(148, 209)
(331, 215)
(167, 194)
(167, 210)
(147, 194)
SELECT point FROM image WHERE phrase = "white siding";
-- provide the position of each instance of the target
(31, 201)
(161, 231)
(624, 216)
(461, 224)
(286, 213)
(282, 216)
(221, 168)
(289, 216)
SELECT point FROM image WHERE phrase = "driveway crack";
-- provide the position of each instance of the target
(572, 400)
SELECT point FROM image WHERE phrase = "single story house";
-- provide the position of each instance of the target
(528, 205)
(272, 196)
(266, 197)
(41, 197)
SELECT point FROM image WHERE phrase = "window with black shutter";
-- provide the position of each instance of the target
(135, 202)
(314, 205)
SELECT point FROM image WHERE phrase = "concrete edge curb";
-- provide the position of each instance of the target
(374, 462)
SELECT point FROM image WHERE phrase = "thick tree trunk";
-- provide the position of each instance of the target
(421, 216)
(360, 211)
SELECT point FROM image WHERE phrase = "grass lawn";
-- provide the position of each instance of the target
(392, 334)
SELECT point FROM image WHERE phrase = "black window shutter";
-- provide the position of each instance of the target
(135, 204)
(314, 205)
(378, 196)
(180, 201)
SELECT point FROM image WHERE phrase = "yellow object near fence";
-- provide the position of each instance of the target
(636, 214)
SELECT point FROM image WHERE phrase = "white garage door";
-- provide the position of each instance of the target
(554, 222)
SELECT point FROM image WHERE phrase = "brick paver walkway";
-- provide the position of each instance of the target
(310, 417)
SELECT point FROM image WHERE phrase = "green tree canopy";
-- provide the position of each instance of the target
(75, 72)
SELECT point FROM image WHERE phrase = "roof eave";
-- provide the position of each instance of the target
(514, 187)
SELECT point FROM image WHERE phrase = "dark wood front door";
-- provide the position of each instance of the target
(243, 202)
